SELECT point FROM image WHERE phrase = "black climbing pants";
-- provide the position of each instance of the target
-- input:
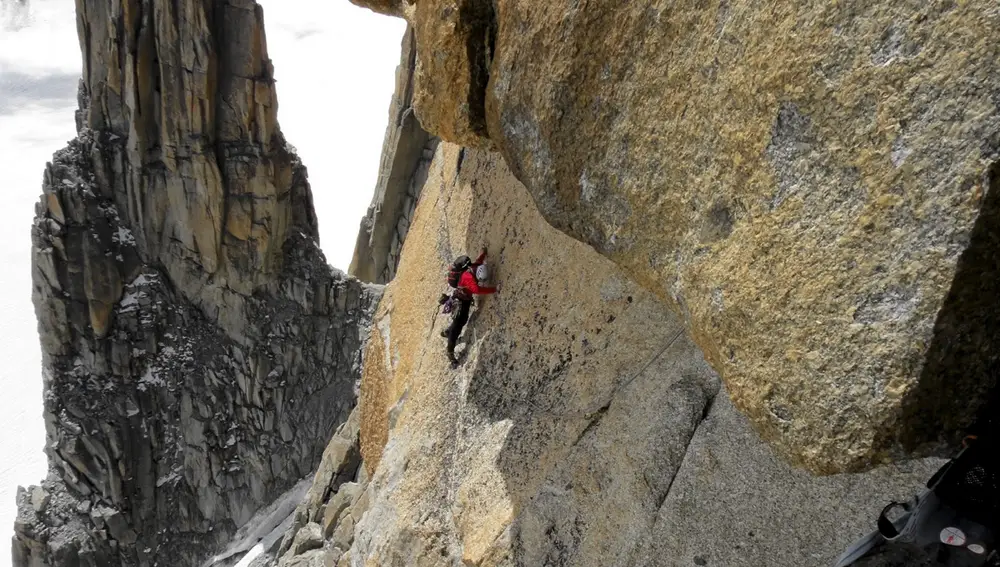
(461, 318)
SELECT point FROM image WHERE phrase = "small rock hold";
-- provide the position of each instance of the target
(338, 505)
(332, 558)
(361, 505)
(312, 558)
(309, 537)
(343, 536)
(39, 499)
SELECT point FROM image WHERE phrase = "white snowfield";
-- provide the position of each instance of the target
(265, 528)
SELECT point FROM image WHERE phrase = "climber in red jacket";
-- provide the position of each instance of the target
(468, 285)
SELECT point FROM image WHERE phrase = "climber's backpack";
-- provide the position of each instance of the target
(455, 271)
(458, 267)
(954, 522)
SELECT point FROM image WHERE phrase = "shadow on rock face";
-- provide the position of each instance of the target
(959, 378)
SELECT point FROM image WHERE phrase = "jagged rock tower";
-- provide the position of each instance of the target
(198, 350)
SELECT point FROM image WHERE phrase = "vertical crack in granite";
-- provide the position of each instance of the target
(198, 351)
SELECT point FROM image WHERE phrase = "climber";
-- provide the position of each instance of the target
(467, 278)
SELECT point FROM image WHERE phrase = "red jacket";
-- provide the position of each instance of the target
(468, 283)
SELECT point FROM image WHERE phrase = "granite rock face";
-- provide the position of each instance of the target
(731, 483)
(811, 186)
(198, 351)
(582, 428)
(406, 153)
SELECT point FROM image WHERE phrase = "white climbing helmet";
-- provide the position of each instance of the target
(482, 273)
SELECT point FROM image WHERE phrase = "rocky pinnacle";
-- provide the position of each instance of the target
(198, 351)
